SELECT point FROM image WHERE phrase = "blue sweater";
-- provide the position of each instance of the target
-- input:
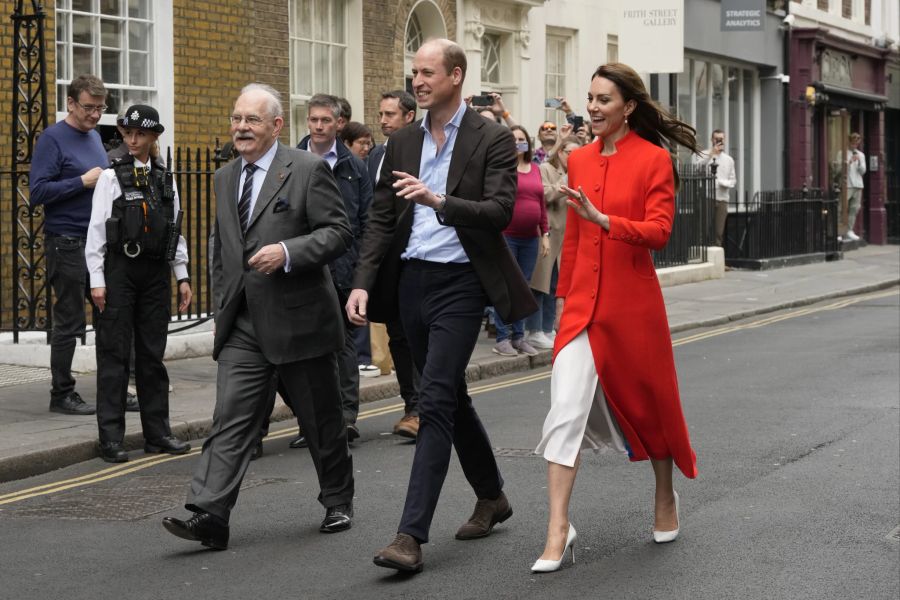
(62, 155)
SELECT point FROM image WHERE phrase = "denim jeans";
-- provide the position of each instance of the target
(67, 274)
(543, 319)
(525, 251)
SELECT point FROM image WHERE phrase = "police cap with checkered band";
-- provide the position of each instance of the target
(141, 116)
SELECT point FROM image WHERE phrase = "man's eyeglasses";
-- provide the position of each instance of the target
(548, 128)
(252, 120)
(92, 108)
(718, 140)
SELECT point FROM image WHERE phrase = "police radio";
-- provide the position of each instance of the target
(173, 232)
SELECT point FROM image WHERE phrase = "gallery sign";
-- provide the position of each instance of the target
(651, 35)
(743, 15)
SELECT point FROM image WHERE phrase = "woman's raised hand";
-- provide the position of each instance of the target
(583, 207)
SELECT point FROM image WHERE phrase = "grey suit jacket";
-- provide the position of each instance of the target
(295, 315)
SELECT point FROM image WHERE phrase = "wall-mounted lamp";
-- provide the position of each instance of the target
(780, 77)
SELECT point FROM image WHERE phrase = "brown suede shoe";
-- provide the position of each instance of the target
(407, 427)
(487, 514)
(403, 554)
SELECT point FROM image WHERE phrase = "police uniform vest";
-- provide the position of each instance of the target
(143, 221)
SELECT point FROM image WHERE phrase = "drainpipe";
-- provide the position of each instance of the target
(786, 94)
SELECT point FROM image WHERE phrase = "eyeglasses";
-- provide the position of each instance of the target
(92, 108)
(548, 128)
(718, 140)
(252, 120)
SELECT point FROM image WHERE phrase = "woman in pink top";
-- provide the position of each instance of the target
(526, 234)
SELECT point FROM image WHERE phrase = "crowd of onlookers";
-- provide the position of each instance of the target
(534, 235)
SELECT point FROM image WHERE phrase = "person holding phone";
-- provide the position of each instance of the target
(613, 382)
(722, 167)
(491, 102)
(856, 168)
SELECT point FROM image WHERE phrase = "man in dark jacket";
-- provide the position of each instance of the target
(356, 189)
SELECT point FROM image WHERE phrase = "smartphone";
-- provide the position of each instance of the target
(552, 103)
(482, 100)
(577, 121)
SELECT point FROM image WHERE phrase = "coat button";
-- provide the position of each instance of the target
(593, 293)
(596, 240)
(596, 267)
(597, 188)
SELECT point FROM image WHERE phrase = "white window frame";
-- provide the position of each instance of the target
(555, 36)
(352, 56)
(160, 90)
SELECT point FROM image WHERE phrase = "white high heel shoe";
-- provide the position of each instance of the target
(662, 537)
(548, 566)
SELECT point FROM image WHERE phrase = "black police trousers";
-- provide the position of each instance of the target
(137, 306)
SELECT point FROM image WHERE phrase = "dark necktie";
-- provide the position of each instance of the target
(246, 193)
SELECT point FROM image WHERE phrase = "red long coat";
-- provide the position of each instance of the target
(610, 288)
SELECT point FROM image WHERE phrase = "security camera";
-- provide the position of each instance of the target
(788, 21)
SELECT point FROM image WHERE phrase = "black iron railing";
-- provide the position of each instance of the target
(24, 291)
(693, 219)
(781, 224)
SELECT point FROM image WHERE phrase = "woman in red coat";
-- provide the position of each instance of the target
(613, 382)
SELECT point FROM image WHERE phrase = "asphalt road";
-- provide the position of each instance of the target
(794, 418)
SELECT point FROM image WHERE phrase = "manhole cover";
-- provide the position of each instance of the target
(894, 535)
(515, 452)
(129, 500)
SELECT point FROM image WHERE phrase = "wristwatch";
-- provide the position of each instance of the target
(443, 203)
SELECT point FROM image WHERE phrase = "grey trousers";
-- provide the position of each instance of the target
(243, 388)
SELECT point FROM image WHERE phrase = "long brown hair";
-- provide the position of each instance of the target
(649, 120)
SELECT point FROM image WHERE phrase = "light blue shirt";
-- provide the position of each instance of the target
(259, 176)
(430, 240)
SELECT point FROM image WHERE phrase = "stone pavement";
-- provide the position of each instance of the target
(33, 440)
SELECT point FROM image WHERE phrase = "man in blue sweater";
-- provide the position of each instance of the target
(68, 160)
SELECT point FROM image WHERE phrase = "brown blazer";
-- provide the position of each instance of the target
(481, 191)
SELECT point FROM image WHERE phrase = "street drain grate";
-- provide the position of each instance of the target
(515, 452)
(894, 535)
(129, 500)
(15, 375)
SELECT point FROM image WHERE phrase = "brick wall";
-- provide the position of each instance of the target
(384, 32)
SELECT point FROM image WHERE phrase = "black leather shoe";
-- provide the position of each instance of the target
(72, 405)
(168, 445)
(299, 442)
(337, 518)
(352, 432)
(113, 452)
(131, 403)
(257, 450)
(202, 527)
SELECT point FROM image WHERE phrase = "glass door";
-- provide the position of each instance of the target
(837, 132)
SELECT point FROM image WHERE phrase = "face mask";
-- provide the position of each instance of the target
(522, 147)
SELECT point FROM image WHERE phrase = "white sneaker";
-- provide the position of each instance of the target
(852, 236)
(540, 340)
(369, 371)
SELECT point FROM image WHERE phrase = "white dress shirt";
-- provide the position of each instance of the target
(725, 176)
(105, 192)
(259, 176)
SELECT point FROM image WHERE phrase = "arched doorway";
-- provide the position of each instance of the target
(425, 22)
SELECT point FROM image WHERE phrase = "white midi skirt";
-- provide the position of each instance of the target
(579, 416)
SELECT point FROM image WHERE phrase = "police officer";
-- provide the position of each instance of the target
(133, 239)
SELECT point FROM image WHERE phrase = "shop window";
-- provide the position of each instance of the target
(112, 39)
(318, 55)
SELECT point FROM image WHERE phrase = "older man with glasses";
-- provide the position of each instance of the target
(68, 160)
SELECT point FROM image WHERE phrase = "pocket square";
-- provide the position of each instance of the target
(281, 204)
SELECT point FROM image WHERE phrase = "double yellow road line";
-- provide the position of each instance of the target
(151, 461)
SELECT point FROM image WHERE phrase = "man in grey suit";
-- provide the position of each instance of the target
(279, 221)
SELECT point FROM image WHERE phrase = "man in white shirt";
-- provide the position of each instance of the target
(725, 178)
(856, 168)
